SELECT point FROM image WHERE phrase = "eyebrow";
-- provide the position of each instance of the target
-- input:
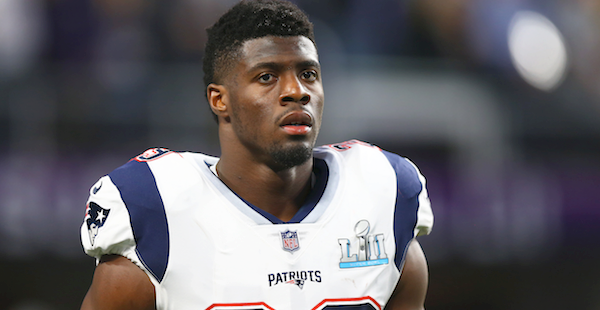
(280, 67)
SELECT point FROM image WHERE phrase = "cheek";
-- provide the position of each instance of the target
(249, 116)
(252, 110)
(319, 104)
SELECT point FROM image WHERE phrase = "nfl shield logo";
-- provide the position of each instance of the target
(290, 240)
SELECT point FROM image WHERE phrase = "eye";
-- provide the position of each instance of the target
(309, 76)
(266, 78)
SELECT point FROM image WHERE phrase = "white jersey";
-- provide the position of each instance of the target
(204, 247)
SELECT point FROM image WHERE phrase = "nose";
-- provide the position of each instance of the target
(292, 90)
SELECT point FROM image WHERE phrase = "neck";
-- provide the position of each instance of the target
(280, 192)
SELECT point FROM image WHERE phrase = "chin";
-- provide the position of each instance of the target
(293, 155)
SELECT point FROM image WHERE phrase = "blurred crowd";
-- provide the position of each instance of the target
(111, 33)
(94, 60)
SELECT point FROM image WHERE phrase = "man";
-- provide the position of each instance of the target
(272, 223)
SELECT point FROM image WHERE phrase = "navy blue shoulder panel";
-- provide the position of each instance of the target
(140, 194)
(407, 204)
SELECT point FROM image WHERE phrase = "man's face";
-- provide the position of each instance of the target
(276, 99)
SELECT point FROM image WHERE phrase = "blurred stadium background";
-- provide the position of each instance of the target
(498, 102)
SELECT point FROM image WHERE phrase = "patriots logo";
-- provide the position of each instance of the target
(298, 282)
(95, 218)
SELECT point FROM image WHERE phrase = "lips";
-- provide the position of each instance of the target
(297, 123)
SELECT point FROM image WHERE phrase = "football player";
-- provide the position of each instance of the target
(275, 222)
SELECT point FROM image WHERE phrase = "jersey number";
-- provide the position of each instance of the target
(362, 303)
(151, 154)
(343, 146)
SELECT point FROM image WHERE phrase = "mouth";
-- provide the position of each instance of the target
(297, 123)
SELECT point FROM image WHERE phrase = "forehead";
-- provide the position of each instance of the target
(278, 49)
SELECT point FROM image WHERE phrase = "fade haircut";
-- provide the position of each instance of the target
(245, 21)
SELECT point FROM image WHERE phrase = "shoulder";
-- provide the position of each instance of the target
(363, 155)
(124, 208)
(377, 168)
(155, 166)
(114, 203)
(139, 165)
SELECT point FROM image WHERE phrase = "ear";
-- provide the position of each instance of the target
(218, 99)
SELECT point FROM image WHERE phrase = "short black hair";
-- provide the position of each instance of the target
(250, 19)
